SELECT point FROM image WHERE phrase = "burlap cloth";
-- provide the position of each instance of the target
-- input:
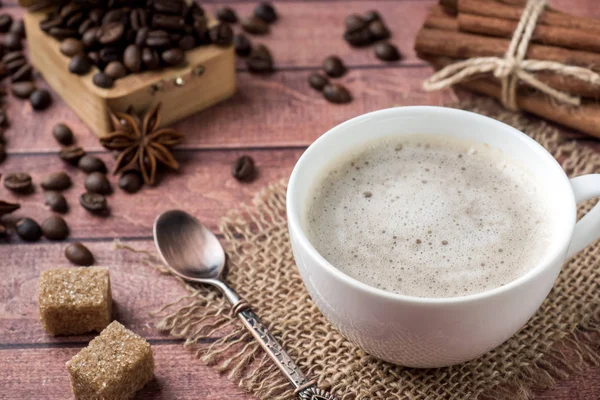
(560, 339)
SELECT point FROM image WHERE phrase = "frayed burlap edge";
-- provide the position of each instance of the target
(561, 339)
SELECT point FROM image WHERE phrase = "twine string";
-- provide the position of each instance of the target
(513, 67)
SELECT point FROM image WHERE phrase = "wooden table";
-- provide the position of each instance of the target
(272, 118)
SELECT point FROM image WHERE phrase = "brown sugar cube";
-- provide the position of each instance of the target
(74, 301)
(113, 366)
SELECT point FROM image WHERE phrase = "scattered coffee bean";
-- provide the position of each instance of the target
(94, 203)
(260, 60)
(242, 45)
(80, 64)
(70, 47)
(336, 93)
(19, 182)
(18, 27)
(244, 169)
(40, 99)
(266, 12)
(28, 229)
(56, 201)
(63, 134)
(221, 34)
(71, 154)
(378, 30)
(187, 42)
(115, 70)
(55, 228)
(358, 38)
(97, 182)
(255, 26)
(150, 58)
(371, 16)
(110, 33)
(354, 23)
(317, 81)
(78, 254)
(12, 41)
(90, 38)
(102, 80)
(387, 52)
(89, 164)
(132, 58)
(5, 22)
(22, 90)
(131, 181)
(226, 14)
(16, 64)
(334, 66)
(22, 74)
(56, 181)
(173, 57)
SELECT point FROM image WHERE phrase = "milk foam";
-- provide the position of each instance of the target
(430, 216)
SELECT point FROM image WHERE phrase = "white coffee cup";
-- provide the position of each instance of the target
(435, 332)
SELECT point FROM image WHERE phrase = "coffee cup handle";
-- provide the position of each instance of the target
(587, 230)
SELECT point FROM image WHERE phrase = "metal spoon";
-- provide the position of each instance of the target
(193, 253)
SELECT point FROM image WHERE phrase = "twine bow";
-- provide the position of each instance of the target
(513, 67)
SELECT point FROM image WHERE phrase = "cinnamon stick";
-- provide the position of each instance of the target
(466, 45)
(585, 118)
(550, 17)
(545, 34)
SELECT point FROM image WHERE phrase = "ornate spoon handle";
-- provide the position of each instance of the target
(305, 390)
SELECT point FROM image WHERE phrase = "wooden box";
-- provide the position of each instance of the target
(207, 78)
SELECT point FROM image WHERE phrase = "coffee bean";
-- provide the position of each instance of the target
(12, 56)
(187, 42)
(3, 231)
(19, 182)
(115, 70)
(70, 47)
(173, 57)
(62, 33)
(56, 181)
(114, 16)
(102, 80)
(75, 20)
(56, 201)
(15, 65)
(28, 230)
(336, 93)
(89, 164)
(110, 33)
(378, 30)
(49, 23)
(334, 66)
(242, 45)
(266, 12)
(358, 38)
(78, 254)
(354, 23)
(55, 228)
(371, 16)
(18, 27)
(141, 36)
(109, 54)
(168, 22)
(317, 81)
(80, 64)
(169, 6)
(5, 22)
(3, 123)
(132, 58)
(138, 18)
(13, 41)
(40, 99)
(131, 181)
(150, 58)
(244, 169)
(158, 39)
(85, 26)
(94, 203)
(221, 34)
(2, 152)
(95, 58)
(90, 37)
(97, 14)
(71, 154)
(255, 26)
(226, 14)
(63, 134)
(387, 52)
(70, 9)
(22, 74)
(96, 182)
(260, 60)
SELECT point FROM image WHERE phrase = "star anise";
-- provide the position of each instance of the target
(140, 143)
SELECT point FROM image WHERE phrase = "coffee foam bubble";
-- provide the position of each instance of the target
(429, 217)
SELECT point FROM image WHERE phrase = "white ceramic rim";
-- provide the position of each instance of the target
(557, 251)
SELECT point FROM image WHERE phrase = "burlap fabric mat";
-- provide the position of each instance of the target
(560, 339)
